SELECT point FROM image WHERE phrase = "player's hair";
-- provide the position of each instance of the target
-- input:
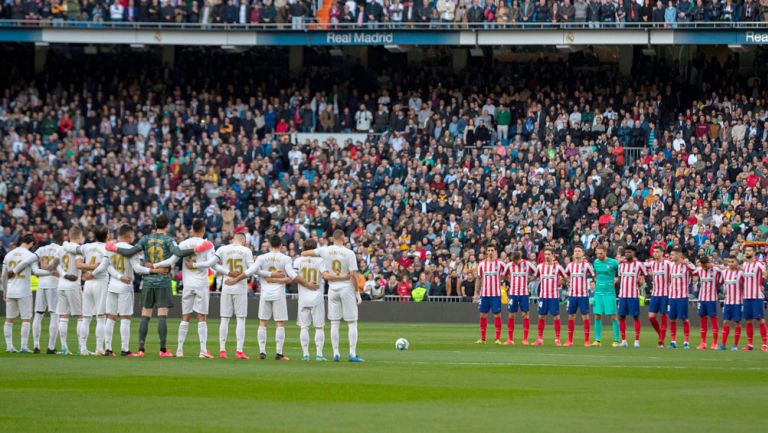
(731, 256)
(338, 235)
(630, 248)
(677, 250)
(240, 236)
(516, 255)
(75, 231)
(124, 230)
(275, 241)
(198, 225)
(600, 247)
(100, 233)
(704, 260)
(161, 222)
(752, 247)
(58, 236)
(28, 238)
(578, 247)
(310, 244)
(550, 249)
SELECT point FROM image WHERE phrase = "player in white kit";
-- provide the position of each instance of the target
(311, 303)
(94, 288)
(196, 294)
(233, 259)
(342, 276)
(47, 295)
(17, 290)
(70, 300)
(119, 297)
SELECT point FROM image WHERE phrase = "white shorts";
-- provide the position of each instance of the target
(119, 304)
(277, 309)
(94, 300)
(45, 300)
(342, 304)
(16, 307)
(195, 301)
(70, 302)
(314, 316)
(234, 304)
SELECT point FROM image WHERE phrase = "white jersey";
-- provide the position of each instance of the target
(68, 266)
(194, 277)
(311, 269)
(20, 286)
(339, 260)
(47, 255)
(118, 266)
(234, 258)
(271, 262)
(93, 254)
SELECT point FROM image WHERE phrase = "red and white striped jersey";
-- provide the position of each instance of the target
(518, 277)
(660, 273)
(733, 283)
(549, 276)
(490, 273)
(630, 273)
(679, 280)
(579, 274)
(753, 279)
(709, 281)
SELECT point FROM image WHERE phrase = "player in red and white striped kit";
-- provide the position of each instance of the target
(733, 285)
(753, 271)
(488, 289)
(658, 268)
(631, 274)
(550, 273)
(578, 271)
(519, 271)
(709, 280)
(679, 282)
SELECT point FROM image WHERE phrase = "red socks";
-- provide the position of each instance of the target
(764, 333)
(673, 330)
(715, 329)
(655, 323)
(664, 324)
(703, 329)
(571, 328)
(526, 328)
(511, 328)
(737, 335)
(557, 328)
(497, 325)
(686, 330)
(586, 331)
(750, 333)
(623, 329)
(483, 326)
(637, 329)
(726, 331)
(542, 323)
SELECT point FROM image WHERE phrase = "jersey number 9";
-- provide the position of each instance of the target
(336, 266)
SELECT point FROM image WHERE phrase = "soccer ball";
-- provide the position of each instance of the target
(401, 344)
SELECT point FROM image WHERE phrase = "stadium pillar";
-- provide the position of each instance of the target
(168, 55)
(295, 60)
(459, 59)
(41, 55)
(626, 56)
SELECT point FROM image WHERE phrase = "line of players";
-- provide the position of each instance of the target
(741, 283)
(96, 280)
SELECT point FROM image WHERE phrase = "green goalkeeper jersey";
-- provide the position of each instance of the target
(605, 275)
(157, 247)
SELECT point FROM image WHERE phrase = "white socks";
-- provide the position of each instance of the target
(53, 331)
(262, 337)
(183, 327)
(202, 334)
(240, 333)
(100, 320)
(335, 324)
(304, 340)
(63, 325)
(25, 335)
(352, 338)
(223, 332)
(125, 334)
(279, 339)
(85, 331)
(8, 333)
(319, 340)
(109, 329)
(37, 329)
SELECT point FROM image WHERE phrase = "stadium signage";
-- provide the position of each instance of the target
(757, 38)
(359, 38)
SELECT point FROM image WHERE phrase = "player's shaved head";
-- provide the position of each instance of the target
(58, 236)
(100, 233)
(198, 225)
(161, 222)
(310, 244)
(338, 235)
(239, 238)
(275, 241)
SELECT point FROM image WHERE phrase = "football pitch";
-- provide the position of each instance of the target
(444, 383)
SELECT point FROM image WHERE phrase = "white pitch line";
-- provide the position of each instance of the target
(633, 367)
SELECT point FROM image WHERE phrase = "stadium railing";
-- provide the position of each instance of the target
(313, 25)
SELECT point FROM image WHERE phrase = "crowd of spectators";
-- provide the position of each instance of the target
(513, 155)
(463, 13)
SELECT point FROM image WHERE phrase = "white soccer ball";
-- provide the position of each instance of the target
(401, 344)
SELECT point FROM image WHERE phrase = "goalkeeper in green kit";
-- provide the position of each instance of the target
(606, 269)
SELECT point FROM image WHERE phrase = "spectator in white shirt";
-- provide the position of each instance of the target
(116, 11)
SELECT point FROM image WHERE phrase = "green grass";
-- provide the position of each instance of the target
(445, 383)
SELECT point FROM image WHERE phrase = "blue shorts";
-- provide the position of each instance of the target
(576, 303)
(658, 304)
(678, 309)
(707, 308)
(753, 309)
(519, 303)
(732, 312)
(490, 303)
(549, 306)
(629, 307)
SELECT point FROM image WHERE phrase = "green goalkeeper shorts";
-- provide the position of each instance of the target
(156, 297)
(605, 304)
